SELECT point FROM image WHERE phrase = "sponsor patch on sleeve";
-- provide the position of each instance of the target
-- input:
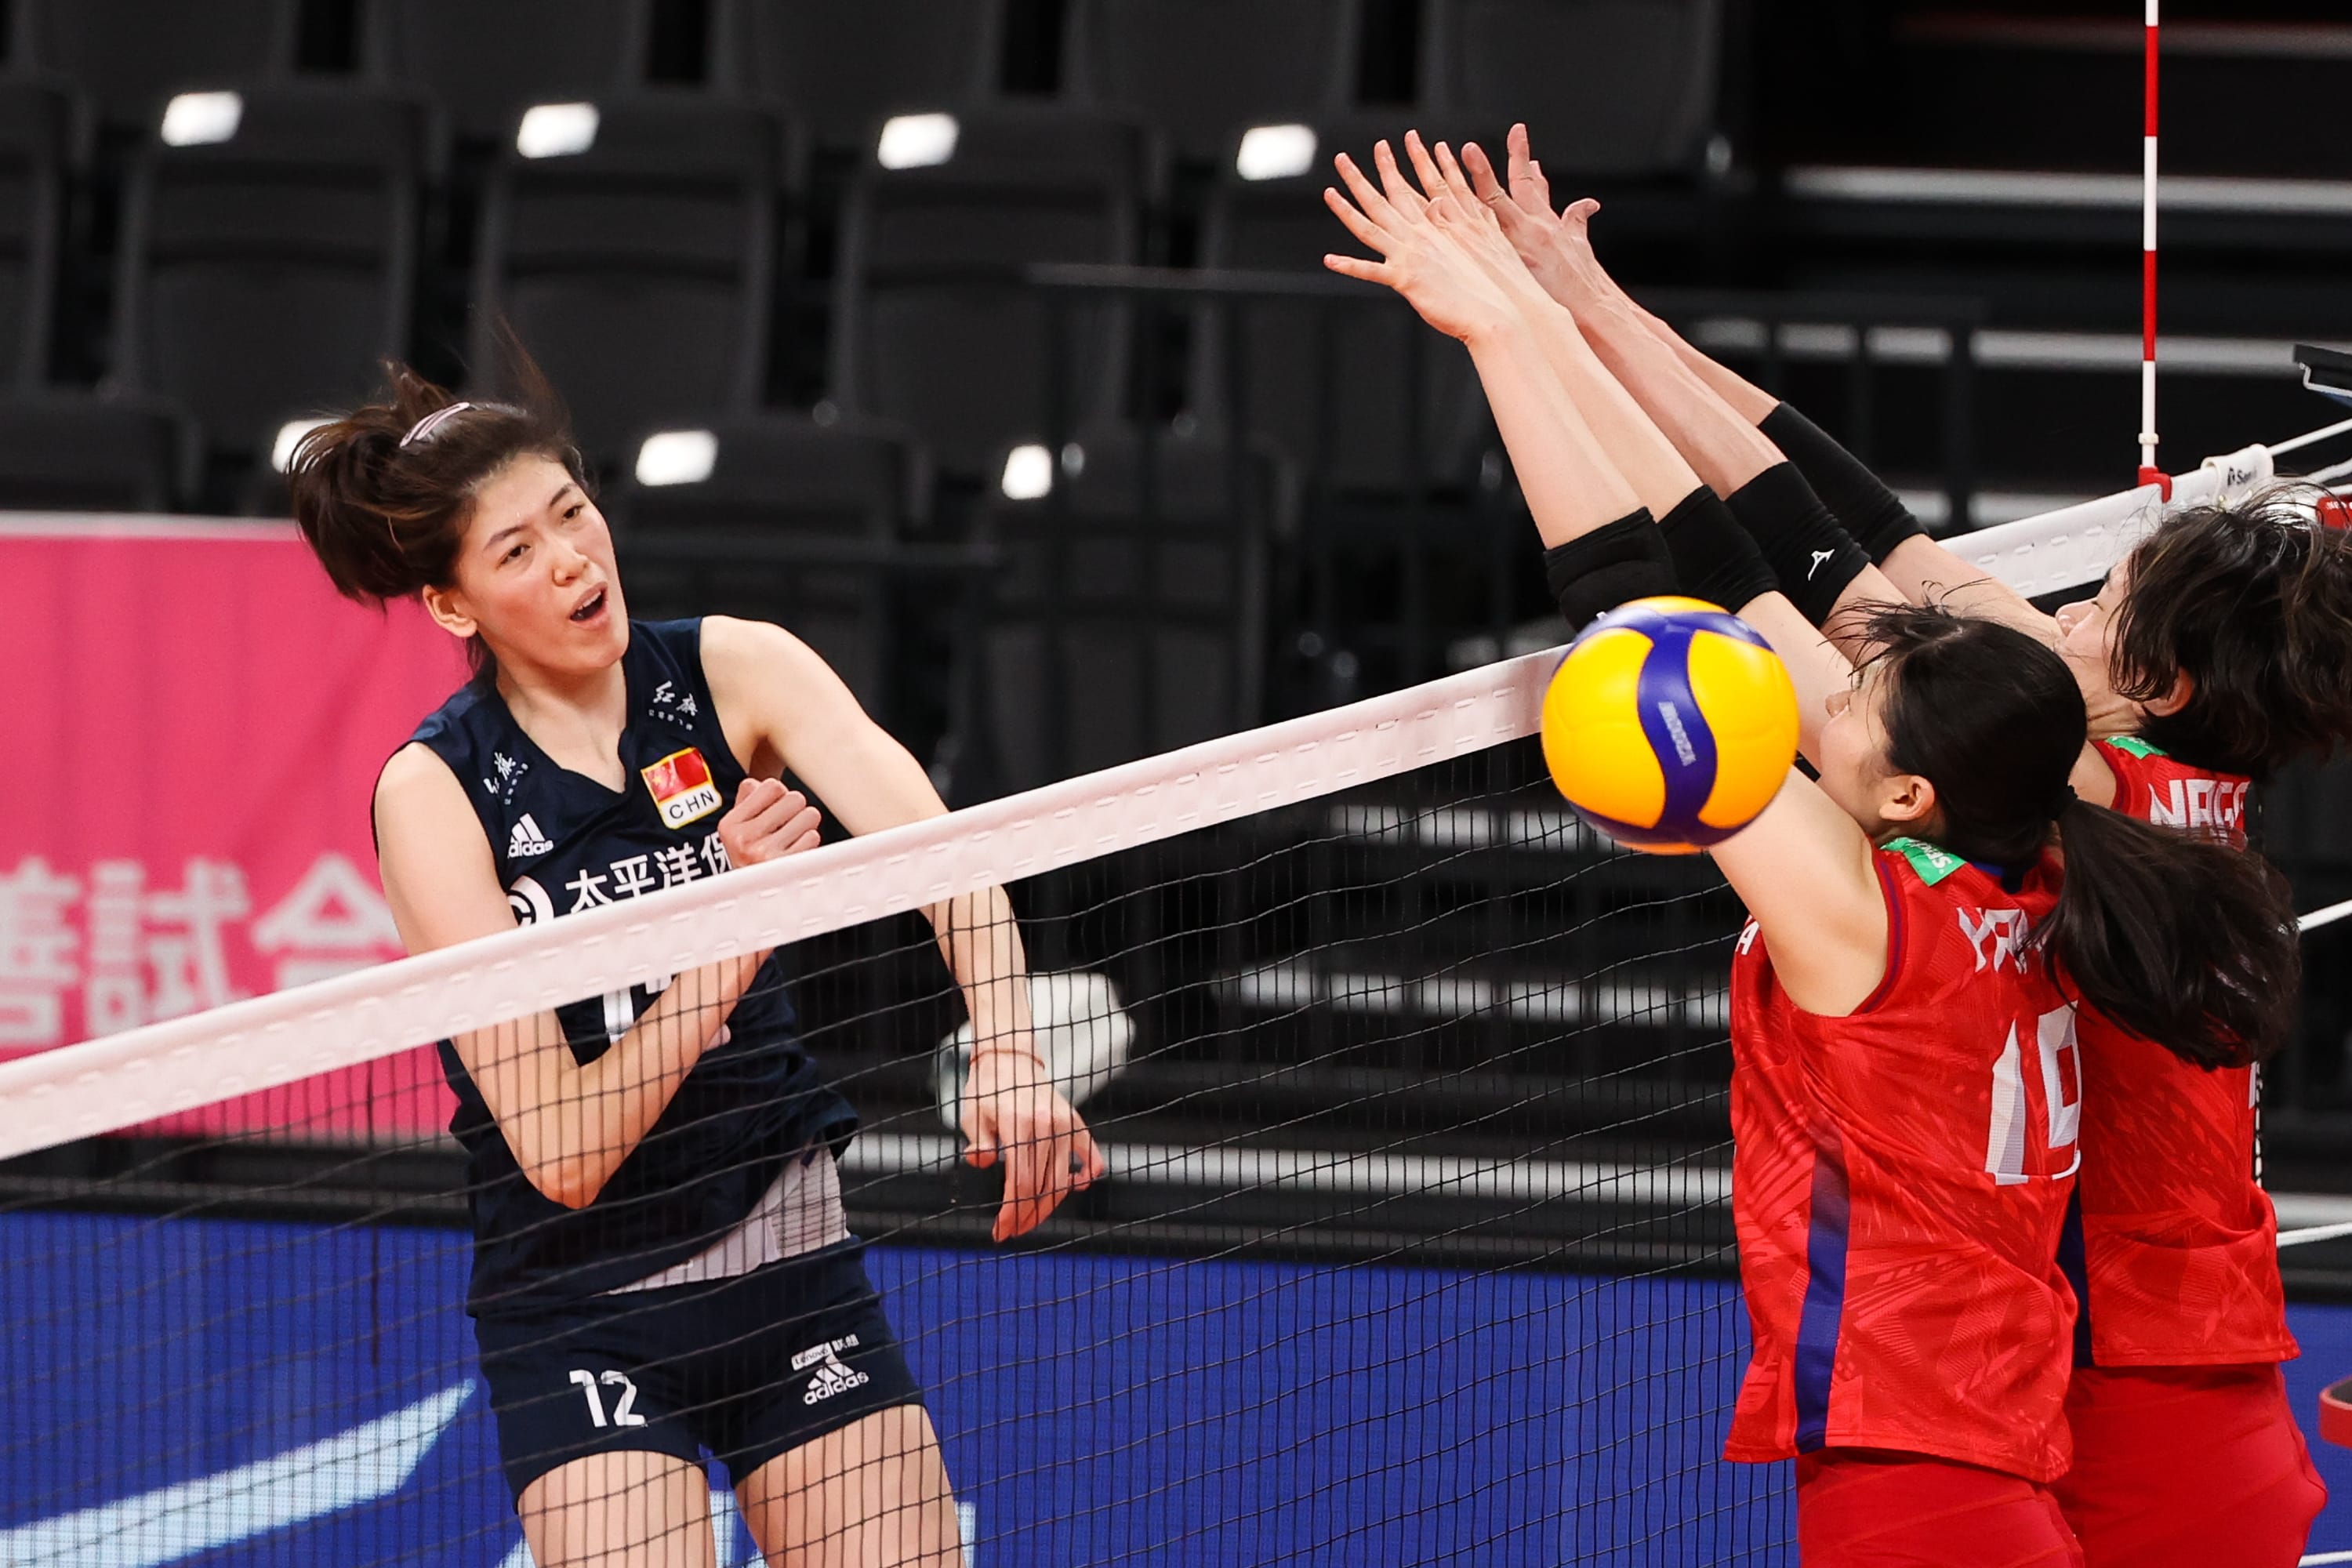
(681, 787)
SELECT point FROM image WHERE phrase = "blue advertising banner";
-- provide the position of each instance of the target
(281, 1394)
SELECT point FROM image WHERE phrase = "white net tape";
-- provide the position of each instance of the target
(143, 1074)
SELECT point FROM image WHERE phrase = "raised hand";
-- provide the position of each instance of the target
(1530, 228)
(1437, 276)
(1530, 187)
(1470, 221)
(1555, 246)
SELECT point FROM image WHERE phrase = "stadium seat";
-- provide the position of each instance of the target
(632, 243)
(930, 326)
(843, 66)
(778, 516)
(1202, 70)
(1130, 614)
(1489, 63)
(1325, 381)
(126, 55)
(484, 62)
(270, 250)
(39, 151)
(74, 451)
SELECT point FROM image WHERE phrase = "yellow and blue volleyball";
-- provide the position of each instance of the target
(1669, 724)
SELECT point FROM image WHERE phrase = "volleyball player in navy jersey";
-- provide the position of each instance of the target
(661, 1262)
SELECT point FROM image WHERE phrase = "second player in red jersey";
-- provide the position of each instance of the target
(2174, 1249)
(2217, 654)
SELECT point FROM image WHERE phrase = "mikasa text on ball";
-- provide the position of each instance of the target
(1669, 724)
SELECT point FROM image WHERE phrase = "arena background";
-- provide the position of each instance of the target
(859, 308)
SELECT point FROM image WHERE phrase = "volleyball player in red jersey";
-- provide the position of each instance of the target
(1906, 1095)
(2217, 652)
(2225, 638)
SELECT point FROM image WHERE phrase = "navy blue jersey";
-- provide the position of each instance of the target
(564, 843)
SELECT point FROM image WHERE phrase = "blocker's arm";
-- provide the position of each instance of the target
(1809, 875)
(1572, 486)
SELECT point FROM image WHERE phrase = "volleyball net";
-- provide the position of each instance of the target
(1351, 990)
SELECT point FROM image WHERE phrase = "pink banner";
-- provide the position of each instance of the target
(195, 722)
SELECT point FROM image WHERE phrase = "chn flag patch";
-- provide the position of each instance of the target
(681, 787)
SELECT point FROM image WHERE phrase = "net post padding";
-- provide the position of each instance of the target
(99, 1086)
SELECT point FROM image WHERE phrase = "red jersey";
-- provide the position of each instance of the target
(1899, 1181)
(2178, 1256)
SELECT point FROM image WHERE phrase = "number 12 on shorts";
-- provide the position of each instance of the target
(2061, 1098)
(624, 1413)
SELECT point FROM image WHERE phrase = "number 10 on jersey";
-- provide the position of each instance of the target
(2053, 1045)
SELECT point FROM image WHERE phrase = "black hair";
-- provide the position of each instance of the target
(2179, 939)
(2252, 600)
(384, 493)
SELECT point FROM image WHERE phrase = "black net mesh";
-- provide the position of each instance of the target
(1414, 1245)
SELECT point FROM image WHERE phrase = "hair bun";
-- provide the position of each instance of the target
(383, 494)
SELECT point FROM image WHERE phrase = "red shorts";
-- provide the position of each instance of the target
(2182, 1465)
(1862, 1509)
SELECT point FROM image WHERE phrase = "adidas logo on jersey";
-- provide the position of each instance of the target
(527, 840)
(828, 1375)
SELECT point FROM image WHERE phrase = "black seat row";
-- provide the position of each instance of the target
(1193, 68)
(274, 238)
(1116, 595)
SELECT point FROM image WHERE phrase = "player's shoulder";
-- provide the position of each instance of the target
(416, 774)
(419, 801)
(732, 645)
(762, 674)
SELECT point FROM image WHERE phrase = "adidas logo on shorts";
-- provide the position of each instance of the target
(527, 840)
(829, 1375)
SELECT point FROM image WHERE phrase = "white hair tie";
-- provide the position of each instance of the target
(433, 421)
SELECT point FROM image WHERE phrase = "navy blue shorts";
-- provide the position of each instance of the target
(743, 1369)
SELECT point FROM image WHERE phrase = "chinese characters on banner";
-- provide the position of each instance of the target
(195, 722)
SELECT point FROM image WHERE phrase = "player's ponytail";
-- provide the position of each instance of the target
(2183, 940)
(384, 493)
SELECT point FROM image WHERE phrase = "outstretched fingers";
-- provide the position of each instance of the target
(1357, 223)
(1457, 184)
(1424, 168)
(1529, 229)
(1408, 204)
(1528, 186)
(1576, 239)
(1484, 183)
(1357, 267)
(1376, 207)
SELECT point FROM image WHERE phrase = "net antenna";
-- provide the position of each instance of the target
(2149, 474)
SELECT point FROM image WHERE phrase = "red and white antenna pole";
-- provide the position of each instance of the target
(2149, 474)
